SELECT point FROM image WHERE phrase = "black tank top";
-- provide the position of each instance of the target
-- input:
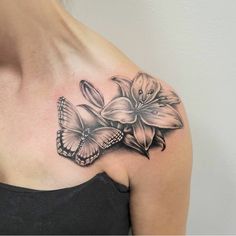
(97, 206)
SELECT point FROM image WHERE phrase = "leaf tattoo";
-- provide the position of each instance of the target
(138, 118)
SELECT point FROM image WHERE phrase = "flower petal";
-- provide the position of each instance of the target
(91, 94)
(130, 141)
(124, 85)
(159, 138)
(144, 88)
(168, 97)
(162, 116)
(120, 109)
(143, 133)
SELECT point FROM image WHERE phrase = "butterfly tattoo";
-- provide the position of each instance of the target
(138, 118)
(78, 142)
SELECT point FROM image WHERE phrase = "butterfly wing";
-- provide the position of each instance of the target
(102, 137)
(68, 142)
(87, 153)
(70, 135)
(106, 136)
(69, 118)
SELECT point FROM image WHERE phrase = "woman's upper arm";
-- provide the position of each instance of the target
(160, 185)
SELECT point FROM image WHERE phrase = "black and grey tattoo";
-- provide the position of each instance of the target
(137, 118)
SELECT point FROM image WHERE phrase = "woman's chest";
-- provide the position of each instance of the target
(28, 152)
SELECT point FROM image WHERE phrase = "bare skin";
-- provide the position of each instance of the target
(45, 54)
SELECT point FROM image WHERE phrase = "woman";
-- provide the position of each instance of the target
(90, 143)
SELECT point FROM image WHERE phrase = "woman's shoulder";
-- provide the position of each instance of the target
(155, 149)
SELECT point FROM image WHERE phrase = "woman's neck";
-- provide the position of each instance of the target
(39, 39)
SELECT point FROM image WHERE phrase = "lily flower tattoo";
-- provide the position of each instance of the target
(137, 118)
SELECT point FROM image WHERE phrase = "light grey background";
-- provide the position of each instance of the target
(192, 45)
